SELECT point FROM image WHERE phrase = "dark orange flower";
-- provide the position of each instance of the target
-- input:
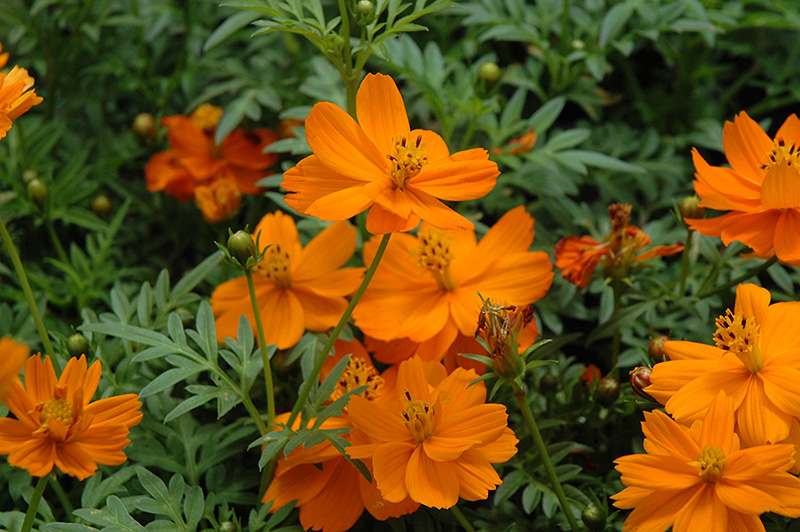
(578, 257)
(436, 441)
(216, 176)
(12, 357)
(761, 190)
(699, 478)
(426, 287)
(382, 165)
(16, 95)
(517, 145)
(591, 374)
(57, 425)
(298, 288)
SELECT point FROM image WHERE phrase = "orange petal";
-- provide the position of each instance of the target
(724, 189)
(746, 145)
(434, 211)
(381, 111)
(780, 189)
(330, 249)
(278, 228)
(381, 221)
(245, 149)
(790, 130)
(311, 181)
(752, 300)
(434, 484)
(283, 318)
(481, 424)
(457, 180)
(381, 421)
(780, 330)
(758, 420)
(476, 476)
(719, 424)
(390, 465)
(666, 437)
(787, 236)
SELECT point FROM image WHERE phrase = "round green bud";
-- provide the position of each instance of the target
(365, 8)
(489, 72)
(228, 526)
(144, 127)
(690, 207)
(578, 44)
(241, 246)
(29, 175)
(37, 192)
(594, 517)
(607, 391)
(101, 205)
(77, 345)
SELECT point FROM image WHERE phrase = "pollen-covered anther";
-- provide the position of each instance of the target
(407, 160)
(711, 464)
(740, 334)
(433, 253)
(359, 373)
(59, 409)
(782, 152)
(420, 418)
(277, 266)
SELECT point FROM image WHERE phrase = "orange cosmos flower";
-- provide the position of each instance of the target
(437, 441)
(755, 362)
(57, 424)
(700, 479)
(761, 190)
(216, 176)
(12, 356)
(517, 145)
(16, 95)
(297, 288)
(578, 257)
(331, 493)
(3, 57)
(382, 165)
(426, 287)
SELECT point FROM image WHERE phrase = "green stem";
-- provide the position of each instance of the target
(461, 519)
(63, 498)
(349, 76)
(62, 254)
(522, 400)
(566, 42)
(33, 506)
(26, 289)
(745, 276)
(685, 262)
(262, 344)
(312, 378)
(615, 339)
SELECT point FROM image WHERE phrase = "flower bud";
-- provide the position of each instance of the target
(489, 72)
(37, 192)
(365, 10)
(640, 379)
(690, 207)
(656, 348)
(77, 345)
(607, 391)
(228, 526)
(144, 127)
(594, 517)
(500, 327)
(101, 205)
(241, 246)
(29, 175)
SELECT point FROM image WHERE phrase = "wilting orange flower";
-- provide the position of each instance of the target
(331, 493)
(426, 287)
(578, 257)
(517, 145)
(700, 479)
(57, 424)
(437, 441)
(761, 190)
(216, 176)
(382, 165)
(12, 357)
(16, 94)
(297, 288)
(755, 362)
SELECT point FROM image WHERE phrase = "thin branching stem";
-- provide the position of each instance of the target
(733, 282)
(465, 524)
(33, 506)
(262, 345)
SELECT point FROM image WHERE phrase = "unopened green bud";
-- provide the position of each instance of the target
(228, 526)
(690, 207)
(607, 391)
(144, 127)
(365, 7)
(640, 379)
(500, 327)
(656, 348)
(241, 246)
(29, 175)
(489, 72)
(101, 205)
(594, 517)
(37, 192)
(77, 345)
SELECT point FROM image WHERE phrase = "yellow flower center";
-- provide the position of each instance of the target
(276, 266)
(739, 334)
(59, 409)
(420, 418)
(358, 373)
(711, 463)
(782, 153)
(433, 253)
(408, 159)
(206, 117)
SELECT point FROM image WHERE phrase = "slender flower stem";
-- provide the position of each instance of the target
(527, 413)
(33, 506)
(26, 289)
(262, 344)
(745, 276)
(312, 378)
(461, 519)
(685, 262)
(349, 76)
(63, 498)
(62, 254)
(615, 339)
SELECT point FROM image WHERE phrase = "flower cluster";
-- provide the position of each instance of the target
(215, 176)
(17, 95)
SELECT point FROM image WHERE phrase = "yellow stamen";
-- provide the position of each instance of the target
(408, 159)
(433, 253)
(739, 334)
(358, 373)
(207, 117)
(711, 464)
(277, 266)
(782, 153)
(420, 418)
(59, 409)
